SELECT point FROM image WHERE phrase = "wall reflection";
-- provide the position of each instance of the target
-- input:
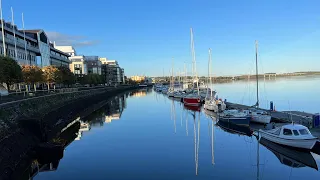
(109, 112)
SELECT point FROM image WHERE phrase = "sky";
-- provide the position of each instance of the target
(145, 35)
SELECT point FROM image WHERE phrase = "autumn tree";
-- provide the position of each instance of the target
(32, 75)
(10, 71)
(51, 74)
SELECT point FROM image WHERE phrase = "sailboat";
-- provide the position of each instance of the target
(210, 103)
(194, 98)
(171, 89)
(258, 115)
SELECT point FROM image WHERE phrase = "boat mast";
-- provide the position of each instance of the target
(257, 104)
(210, 78)
(194, 64)
(172, 88)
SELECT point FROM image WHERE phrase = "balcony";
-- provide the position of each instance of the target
(20, 44)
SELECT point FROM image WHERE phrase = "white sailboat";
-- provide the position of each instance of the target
(210, 103)
(258, 116)
(171, 89)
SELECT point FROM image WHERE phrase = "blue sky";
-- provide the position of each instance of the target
(143, 35)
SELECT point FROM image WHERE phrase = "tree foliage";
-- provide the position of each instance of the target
(32, 74)
(92, 79)
(66, 76)
(10, 71)
(51, 74)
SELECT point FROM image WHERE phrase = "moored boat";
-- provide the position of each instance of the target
(293, 135)
(238, 117)
(192, 100)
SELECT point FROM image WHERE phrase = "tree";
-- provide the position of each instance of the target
(32, 75)
(51, 74)
(10, 71)
(66, 76)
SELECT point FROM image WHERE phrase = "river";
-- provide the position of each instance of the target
(145, 135)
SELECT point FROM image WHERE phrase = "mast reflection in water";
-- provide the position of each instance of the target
(146, 135)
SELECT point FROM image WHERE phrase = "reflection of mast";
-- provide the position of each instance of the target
(181, 115)
(198, 144)
(173, 115)
(187, 123)
(258, 161)
(212, 143)
(195, 142)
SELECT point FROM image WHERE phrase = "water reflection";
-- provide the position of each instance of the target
(290, 157)
(36, 166)
(159, 138)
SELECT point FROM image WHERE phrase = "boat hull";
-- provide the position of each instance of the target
(297, 143)
(241, 121)
(264, 119)
(235, 129)
(211, 107)
(192, 101)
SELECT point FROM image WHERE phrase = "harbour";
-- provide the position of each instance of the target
(184, 142)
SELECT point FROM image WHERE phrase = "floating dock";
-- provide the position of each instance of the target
(298, 117)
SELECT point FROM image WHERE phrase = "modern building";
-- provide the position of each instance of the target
(137, 78)
(112, 72)
(93, 64)
(30, 47)
(70, 50)
(78, 65)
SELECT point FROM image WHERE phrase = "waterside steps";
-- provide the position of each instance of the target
(306, 119)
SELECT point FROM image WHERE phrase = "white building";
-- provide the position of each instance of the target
(30, 47)
(66, 49)
(78, 65)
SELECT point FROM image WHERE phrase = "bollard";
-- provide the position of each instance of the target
(271, 105)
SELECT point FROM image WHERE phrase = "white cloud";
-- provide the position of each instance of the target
(73, 40)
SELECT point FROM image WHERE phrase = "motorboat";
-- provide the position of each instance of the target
(235, 129)
(238, 117)
(293, 135)
(259, 116)
(290, 157)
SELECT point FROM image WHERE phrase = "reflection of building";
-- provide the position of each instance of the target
(139, 93)
(114, 108)
(84, 126)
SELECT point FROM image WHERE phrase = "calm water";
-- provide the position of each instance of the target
(145, 135)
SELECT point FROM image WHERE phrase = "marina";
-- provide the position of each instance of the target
(186, 142)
